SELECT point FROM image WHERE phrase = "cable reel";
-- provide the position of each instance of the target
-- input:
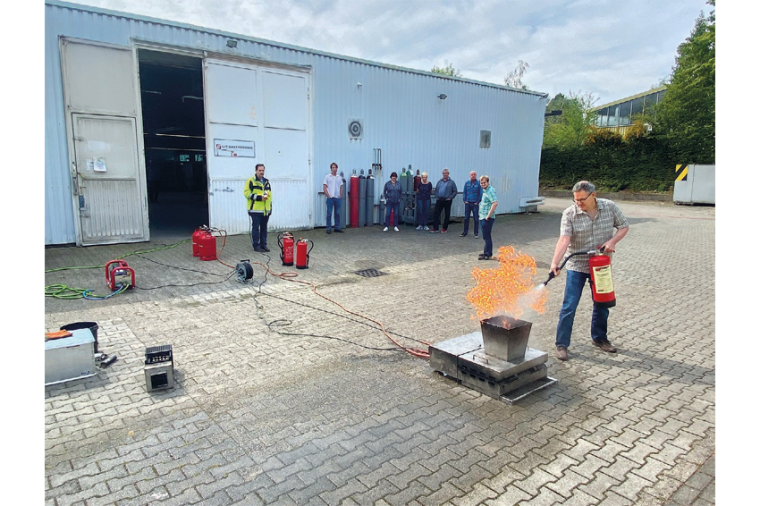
(244, 271)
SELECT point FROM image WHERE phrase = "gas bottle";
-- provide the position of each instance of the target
(353, 200)
(302, 253)
(207, 246)
(417, 180)
(285, 241)
(602, 289)
(196, 238)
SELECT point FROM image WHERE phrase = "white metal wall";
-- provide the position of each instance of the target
(399, 108)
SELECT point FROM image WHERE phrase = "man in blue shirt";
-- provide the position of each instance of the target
(445, 190)
(471, 195)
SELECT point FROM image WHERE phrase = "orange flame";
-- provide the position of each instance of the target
(507, 288)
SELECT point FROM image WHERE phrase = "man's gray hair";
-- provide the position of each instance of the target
(584, 186)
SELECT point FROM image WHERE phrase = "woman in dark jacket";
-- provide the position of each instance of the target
(392, 193)
(424, 190)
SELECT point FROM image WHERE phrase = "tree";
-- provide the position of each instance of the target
(514, 78)
(572, 128)
(448, 70)
(686, 115)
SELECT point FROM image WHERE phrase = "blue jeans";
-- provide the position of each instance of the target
(396, 206)
(423, 209)
(470, 208)
(333, 206)
(486, 226)
(259, 229)
(573, 289)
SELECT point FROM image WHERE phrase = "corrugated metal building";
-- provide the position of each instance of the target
(148, 119)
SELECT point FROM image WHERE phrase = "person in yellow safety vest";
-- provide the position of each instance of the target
(258, 194)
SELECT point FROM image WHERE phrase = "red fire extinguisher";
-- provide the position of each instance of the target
(206, 246)
(602, 289)
(600, 266)
(302, 253)
(286, 243)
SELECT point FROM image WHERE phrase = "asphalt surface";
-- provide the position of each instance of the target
(284, 397)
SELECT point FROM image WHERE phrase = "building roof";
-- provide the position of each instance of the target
(237, 36)
(632, 97)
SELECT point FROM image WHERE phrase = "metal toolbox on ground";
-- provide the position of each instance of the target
(70, 358)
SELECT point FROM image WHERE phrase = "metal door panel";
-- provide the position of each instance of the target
(285, 102)
(107, 186)
(231, 93)
(288, 170)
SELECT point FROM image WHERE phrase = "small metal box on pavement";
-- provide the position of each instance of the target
(70, 358)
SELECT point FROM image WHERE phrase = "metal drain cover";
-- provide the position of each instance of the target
(369, 273)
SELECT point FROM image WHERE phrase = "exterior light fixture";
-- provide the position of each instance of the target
(231, 43)
(442, 96)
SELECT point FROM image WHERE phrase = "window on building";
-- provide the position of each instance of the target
(614, 118)
(637, 106)
(601, 117)
(485, 139)
(184, 158)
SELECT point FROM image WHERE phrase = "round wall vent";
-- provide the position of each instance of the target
(355, 129)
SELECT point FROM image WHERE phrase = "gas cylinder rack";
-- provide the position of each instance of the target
(407, 196)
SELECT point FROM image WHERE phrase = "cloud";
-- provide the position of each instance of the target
(610, 48)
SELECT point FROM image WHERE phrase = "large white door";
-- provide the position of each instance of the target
(109, 193)
(256, 115)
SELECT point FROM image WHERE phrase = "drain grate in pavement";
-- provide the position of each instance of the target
(370, 273)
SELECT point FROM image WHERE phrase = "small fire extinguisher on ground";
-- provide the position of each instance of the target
(600, 266)
(286, 243)
(302, 253)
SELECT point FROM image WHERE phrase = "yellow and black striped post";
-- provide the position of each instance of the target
(681, 172)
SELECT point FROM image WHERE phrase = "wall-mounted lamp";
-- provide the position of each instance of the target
(442, 96)
(231, 43)
(358, 85)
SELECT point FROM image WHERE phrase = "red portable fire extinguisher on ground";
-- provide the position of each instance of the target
(286, 243)
(302, 253)
(600, 266)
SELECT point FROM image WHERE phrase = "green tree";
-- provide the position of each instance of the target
(448, 70)
(686, 115)
(571, 129)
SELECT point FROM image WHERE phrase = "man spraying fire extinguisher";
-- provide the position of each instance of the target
(590, 225)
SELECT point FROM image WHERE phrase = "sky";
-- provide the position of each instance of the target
(610, 48)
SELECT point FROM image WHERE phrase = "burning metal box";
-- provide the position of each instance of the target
(495, 361)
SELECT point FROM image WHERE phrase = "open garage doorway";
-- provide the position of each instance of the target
(171, 91)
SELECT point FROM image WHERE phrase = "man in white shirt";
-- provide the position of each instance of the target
(333, 189)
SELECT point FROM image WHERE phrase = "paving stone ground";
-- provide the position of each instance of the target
(282, 397)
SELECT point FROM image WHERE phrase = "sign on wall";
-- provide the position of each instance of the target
(235, 148)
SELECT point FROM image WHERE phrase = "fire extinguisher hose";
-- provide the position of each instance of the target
(552, 275)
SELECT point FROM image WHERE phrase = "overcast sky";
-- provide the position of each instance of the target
(611, 48)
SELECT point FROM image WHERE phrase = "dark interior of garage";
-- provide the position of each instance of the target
(171, 87)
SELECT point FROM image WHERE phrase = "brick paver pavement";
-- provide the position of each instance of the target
(282, 397)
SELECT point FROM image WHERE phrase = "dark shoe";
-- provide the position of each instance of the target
(338, 231)
(481, 257)
(476, 235)
(487, 257)
(605, 346)
(328, 230)
(264, 248)
(258, 249)
(561, 353)
(462, 235)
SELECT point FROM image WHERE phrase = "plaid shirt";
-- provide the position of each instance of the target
(587, 235)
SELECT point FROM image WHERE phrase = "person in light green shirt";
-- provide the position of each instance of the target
(487, 215)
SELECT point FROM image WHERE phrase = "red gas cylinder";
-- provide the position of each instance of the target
(302, 253)
(207, 246)
(285, 241)
(602, 289)
(196, 238)
(417, 180)
(354, 201)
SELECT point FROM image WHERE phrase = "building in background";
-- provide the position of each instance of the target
(154, 126)
(618, 115)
